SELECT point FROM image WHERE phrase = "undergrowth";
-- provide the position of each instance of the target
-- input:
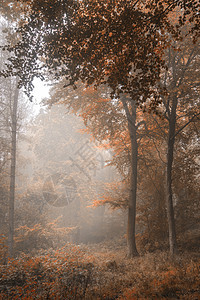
(81, 272)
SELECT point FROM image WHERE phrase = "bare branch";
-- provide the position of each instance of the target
(191, 120)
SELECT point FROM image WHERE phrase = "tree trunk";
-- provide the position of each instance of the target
(131, 242)
(12, 172)
(169, 194)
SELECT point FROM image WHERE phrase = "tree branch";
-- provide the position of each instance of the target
(127, 111)
(196, 115)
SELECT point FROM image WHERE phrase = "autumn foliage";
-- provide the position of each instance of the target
(73, 273)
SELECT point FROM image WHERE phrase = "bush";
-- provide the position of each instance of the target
(80, 272)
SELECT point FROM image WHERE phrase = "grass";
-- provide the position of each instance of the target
(83, 272)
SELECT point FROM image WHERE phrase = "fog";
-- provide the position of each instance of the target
(60, 174)
(99, 150)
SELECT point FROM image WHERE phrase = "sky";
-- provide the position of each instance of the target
(40, 92)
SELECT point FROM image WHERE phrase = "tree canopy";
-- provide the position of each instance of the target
(118, 43)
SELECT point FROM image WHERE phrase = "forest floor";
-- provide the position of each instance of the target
(101, 272)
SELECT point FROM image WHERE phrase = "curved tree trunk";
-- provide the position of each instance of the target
(12, 172)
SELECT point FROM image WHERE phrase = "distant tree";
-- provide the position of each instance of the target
(60, 151)
(12, 170)
(185, 176)
(9, 103)
(10, 123)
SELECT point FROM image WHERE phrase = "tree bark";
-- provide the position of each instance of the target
(131, 228)
(169, 193)
(132, 249)
(12, 172)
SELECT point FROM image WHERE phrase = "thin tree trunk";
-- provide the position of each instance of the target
(169, 193)
(12, 173)
(132, 249)
(131, 242)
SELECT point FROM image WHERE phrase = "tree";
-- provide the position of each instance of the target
(12, 171)
(181, 108)
(9, 128)
(9, 104)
